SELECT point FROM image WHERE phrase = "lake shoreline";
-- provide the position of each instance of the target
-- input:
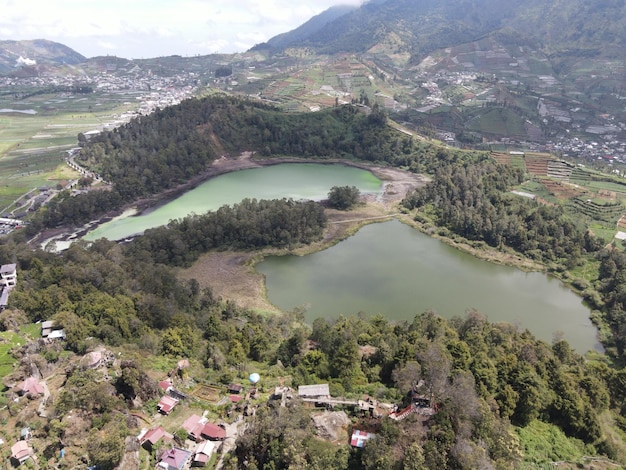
(396, 183)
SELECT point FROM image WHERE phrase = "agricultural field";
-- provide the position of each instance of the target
(36, 131)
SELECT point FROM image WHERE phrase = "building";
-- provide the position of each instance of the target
(213, 432)
(174, 459)
(203, 454)
(8, 275)
(313, 391)
(167, 404)
(192, 422)
(49, 330)
(153, 436)
(235, 388)
(359, 438)
(31, 386)
(21, 451)
(8, 278)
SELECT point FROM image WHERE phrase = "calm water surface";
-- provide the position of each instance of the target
(289, 180)
(392, 269)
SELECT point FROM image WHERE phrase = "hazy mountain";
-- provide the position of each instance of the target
(307, 29)
(15, 54)
(421, 26)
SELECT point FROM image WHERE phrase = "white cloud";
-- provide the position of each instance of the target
(150, 28)
(25, 61)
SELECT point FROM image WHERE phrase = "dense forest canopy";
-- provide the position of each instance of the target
(154, 153)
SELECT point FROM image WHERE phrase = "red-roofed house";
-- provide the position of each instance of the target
(235, 398)
(360, 437)
(31, 386)
(174, 459)
(213, 432)
(191, 422)
(165, 385)
(167, 404)
(20, 451)
(153, 436)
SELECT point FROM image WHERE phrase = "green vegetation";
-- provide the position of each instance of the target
(343, 197)
(482, 378)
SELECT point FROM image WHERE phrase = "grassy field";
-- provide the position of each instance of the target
(10, 340)
(36, 134)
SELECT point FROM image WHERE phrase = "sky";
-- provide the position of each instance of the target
(136, 29)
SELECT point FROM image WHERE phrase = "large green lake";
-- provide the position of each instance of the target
(289, 180)
(386, 268)
(395, 270)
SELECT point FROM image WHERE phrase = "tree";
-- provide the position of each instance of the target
(343, 197)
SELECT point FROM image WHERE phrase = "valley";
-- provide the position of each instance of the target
(353, 326)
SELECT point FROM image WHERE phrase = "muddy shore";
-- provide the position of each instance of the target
(397, 183)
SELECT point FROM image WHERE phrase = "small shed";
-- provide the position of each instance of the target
(235, 388)
(359, 438)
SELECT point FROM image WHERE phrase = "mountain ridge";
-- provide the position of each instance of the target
(14, 54)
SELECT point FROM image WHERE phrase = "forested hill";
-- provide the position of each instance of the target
(167, 148)
(420, 26)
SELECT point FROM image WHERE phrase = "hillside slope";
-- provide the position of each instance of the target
(36, 52)
(421, 26)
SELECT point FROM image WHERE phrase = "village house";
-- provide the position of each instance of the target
(213, 432)
(165, 385)
(31, 387)
(21, 452)
(150, 438)
(203, 454)
(174, 459)
(167, 404)
(193, 425)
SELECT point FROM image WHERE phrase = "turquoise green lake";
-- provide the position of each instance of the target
(393, 269)
(386, 268)
(289, 180)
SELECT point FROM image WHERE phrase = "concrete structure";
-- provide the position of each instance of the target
(313, 391)
(8, 275)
